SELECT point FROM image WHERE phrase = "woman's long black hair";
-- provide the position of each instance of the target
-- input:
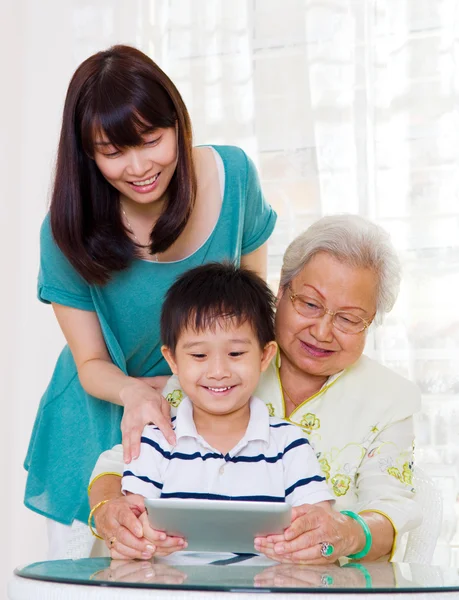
(117, 92)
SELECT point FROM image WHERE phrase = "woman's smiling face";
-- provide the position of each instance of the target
(142, 173)
(314, 345)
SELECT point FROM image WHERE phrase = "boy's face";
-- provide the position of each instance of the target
(219, 370)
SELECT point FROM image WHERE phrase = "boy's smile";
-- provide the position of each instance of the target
(219, 367)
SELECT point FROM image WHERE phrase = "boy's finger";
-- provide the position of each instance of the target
(119, 550)
(166, 551)
(274, 539)
(171, 542)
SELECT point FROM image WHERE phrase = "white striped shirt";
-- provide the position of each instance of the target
(273, 462)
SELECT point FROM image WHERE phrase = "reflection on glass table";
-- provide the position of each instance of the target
(230, 572)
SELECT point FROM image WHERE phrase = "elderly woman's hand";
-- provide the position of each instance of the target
(312, 525)
(122, 523)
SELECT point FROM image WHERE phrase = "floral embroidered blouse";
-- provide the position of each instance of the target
(360, 424)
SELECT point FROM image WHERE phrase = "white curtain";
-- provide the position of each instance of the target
(345, 106)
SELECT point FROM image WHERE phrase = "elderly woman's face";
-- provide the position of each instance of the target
(315, 345)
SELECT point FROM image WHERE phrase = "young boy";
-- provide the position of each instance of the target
(217, 326)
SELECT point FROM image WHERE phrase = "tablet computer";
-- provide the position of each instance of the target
(218, 525)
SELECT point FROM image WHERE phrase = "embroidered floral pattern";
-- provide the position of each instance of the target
(406, 476)
(175, 397)
(309, 422)
(325, 466)
(270, 408)
(340, 484)
(407, 473)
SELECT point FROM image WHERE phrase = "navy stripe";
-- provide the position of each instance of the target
(302, 482)
(198, 496)
(269, 459)
(254, 459)
(179, 455)
(143, 478)
(235, 459)
(296, 444)
(281, 425)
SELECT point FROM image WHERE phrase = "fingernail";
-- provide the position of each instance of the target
(162, 536)
(148, 574)
(150, 548)
(185, 545)
(146, 554)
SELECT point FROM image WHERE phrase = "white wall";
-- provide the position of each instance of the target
(39, 52)
(31, 99)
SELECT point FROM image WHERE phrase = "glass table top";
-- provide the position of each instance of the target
(198, 571)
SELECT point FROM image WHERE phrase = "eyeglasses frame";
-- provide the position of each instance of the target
(327, 311)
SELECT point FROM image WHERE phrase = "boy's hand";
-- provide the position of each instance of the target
(163, 544)
(143, 404)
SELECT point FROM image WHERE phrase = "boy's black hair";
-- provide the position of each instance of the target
(206, 295)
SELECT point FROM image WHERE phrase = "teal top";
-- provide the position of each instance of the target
(72, 428)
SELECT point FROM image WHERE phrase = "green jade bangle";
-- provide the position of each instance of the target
(366, 530)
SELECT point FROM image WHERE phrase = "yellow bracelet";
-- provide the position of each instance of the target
(91, 514)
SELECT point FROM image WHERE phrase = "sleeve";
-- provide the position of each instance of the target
(384, 480)
(144, 475)
(260, 218)
(109, 462)
(303, 479)
(57, 280)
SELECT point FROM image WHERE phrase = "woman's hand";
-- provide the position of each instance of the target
(117, 520)
(123, 524)
(143, 404)
(313, 524)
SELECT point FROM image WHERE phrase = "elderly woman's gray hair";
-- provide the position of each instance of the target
(355, 241)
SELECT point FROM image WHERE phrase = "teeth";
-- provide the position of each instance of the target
(219, 389)
(147, 181)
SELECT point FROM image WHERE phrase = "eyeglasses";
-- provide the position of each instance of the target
(312, 309)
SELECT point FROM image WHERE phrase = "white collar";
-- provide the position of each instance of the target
(257, 429)
(277, 363)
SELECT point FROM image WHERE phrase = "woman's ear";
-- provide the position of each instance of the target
(170, 359)
(268, 354)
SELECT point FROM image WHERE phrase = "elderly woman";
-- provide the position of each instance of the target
(338, 278)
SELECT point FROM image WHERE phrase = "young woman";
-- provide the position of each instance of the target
(134, 205)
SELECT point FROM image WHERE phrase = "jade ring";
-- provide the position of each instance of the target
(326, 549)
